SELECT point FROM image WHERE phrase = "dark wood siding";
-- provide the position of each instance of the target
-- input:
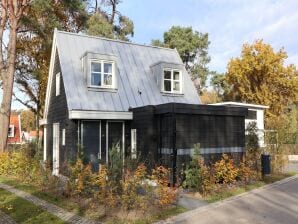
(58, 113)
(145, 122)
(164, 131)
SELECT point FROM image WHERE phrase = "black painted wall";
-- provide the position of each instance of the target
(58, 113)
(180, 126)
(144, 120)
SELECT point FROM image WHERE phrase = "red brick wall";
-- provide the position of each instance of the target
(15, 121)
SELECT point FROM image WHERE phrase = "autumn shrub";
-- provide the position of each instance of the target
(81, 178)
(21, 165)
(208, 178)
(136, 193)
(245, 173)
(4, 163)
(225, 170)
(166, 196)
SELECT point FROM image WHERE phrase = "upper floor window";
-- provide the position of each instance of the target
(172, 81)
(11, 131)
(102, 73)
(57, 84)
(252, 115)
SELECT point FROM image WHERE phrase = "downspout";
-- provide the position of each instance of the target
(174, 154)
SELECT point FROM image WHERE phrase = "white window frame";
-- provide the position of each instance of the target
(11, 133)
(172, 80)
(56, 148)
(57, 84)
(63, 137)
(102, 73)
(133, 143)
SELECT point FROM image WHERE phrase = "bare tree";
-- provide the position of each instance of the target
(11, 13)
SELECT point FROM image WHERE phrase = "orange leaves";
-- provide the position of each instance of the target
(166, 195)
(225, 171)
(259, 76)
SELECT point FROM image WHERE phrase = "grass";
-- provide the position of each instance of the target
(164, 214)
(23, 211)
(54, 199)
(69, 205)
(229, 192)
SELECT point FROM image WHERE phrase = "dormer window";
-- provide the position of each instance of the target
(172, 81)
(102, 74)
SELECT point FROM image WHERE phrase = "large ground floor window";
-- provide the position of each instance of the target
(99, 137)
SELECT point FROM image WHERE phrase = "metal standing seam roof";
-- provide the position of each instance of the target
(133, 74)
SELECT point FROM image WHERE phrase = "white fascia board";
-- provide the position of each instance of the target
(248, 105)
(43, 122)
(100, 115)
(50, 77)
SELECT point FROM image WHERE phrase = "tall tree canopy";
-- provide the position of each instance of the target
(35, 35)
(192, 47)
(260, 76)
(34, 45)
(107, 21)
(220, 85)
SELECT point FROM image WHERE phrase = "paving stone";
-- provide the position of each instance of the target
(61, 213)
(5, 219)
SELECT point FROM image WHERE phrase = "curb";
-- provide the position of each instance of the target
(183, 216)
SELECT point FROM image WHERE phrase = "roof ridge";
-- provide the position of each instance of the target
(114, 40)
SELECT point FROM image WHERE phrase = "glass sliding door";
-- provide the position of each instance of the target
(91, 142)
(115, 136)
(98, 138)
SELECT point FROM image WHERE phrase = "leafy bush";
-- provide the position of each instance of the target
(225, 171)
(193, 174)
(165, 196)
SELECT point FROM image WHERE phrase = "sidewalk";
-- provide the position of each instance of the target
(61, 213)
(272, 203)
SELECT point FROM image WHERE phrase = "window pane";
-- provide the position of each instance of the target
(251, 115)
(176, 75)
(167, 86)
(108, 79)
(167, 74)
(107, 67)
(176, 86)
(95, 67)
(95, 79)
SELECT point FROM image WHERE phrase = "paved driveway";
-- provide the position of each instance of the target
(272, 204)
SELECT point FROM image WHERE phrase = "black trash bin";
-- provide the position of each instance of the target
(265, 162)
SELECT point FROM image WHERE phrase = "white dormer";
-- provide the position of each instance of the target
(169, 77)
(100, 71)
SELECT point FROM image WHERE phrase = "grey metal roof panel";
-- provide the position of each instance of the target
(134, 74)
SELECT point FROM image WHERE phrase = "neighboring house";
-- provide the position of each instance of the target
(32, 135)
(14, 130)
(255, 115)
(104, 93)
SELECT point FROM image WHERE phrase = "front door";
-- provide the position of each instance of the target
(56, 140)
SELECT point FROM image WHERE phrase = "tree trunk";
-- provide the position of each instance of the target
(7, 78)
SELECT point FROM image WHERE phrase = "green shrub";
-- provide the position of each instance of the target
(193, 173)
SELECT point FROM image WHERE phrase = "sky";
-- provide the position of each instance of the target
(229, 23)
